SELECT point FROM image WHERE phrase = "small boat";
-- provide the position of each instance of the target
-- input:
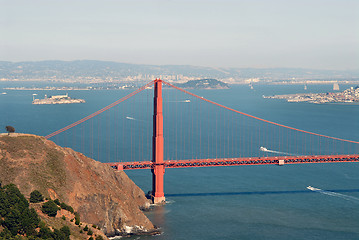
(4, 93)
(313, 188)
(187, 100)
(263, 149)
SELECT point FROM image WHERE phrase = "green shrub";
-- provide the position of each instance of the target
(45, 233)
(63, 218)
(65, 230)
(42, 224)
(89, 232)
(60, 235)
(36, 197)
(50, 208)
(57, 202)
(6, 234)
(99, 238)
(86, 228)
(15, 214)
(67, 207)
(77, 218)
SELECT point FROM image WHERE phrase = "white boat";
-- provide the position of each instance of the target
(4, 93)
(263, 149)
(313, 188)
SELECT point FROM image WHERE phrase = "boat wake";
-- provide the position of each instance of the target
(334, 194)
(263, 149)
(181, 101)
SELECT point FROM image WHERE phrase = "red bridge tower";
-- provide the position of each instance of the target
(158, 169)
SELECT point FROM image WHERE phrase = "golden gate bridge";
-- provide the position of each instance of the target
(211, 136)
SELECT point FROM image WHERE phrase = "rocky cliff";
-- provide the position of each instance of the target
(99, 194)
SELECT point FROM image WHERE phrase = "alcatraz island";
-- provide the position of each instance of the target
(350, 95)
(57, 99)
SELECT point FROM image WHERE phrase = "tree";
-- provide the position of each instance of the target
(29, 222)
(66, 231)
(59, 235)
(36, 196)
(10, 129)
(15, 214)
(12, 221)
(50, 208)
(45, 233)
(67, 207)
(77, 218)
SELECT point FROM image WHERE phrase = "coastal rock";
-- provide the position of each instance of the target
(101, 195)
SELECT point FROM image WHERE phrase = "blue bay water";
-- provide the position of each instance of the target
(244, 202)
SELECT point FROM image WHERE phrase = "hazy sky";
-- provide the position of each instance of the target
(322, 34)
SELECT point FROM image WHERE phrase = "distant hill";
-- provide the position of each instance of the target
(82, 69)
(203, 84)
(85, 71)
(102, 196)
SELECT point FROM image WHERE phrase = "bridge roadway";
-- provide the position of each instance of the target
(278, 160)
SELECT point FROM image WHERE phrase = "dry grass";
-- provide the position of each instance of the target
(27, 157)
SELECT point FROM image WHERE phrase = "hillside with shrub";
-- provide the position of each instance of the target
(74, 183)
(39, 218)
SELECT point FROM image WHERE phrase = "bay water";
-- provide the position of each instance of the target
(242, 202)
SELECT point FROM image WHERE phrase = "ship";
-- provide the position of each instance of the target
(57, 99)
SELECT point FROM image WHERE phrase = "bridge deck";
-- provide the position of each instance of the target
(278, 160)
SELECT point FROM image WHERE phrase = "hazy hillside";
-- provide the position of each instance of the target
(89, 70)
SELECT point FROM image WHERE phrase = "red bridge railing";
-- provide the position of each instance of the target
(279, 160)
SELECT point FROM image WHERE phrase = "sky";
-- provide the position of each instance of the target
(317, 34)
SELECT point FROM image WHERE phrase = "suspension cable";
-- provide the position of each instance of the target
(257, 118)
(99, 111)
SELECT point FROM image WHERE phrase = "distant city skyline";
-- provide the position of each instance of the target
(320, 34)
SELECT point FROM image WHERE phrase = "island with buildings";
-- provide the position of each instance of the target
(350, 95)
(57, 99)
